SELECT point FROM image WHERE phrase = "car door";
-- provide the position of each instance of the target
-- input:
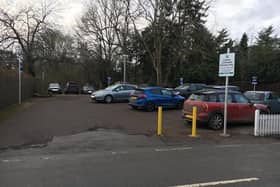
(118, 93)
(127, 91)
(156, 97)
(167, 99)
(246, 110)
(232, 108)
(272, 100)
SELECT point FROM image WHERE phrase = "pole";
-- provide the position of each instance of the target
(124, 69)
(194, 116)
(19, 80)
(226, 102)
(159, 129)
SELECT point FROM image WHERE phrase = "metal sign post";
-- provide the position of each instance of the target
(254, 81)
(226, 69)
(181, 80)
(19, 79)
(124, 67)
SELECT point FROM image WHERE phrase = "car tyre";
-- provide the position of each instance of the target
(150, 107)
(134, 107)
(108, 99)
(216, 122)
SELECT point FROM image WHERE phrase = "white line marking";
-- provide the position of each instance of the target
(173, 149)
(119, 152)
(15, 160)
(219, 182)
(225, 146)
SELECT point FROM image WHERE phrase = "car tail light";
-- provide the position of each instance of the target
(204, 107)
(142, 96)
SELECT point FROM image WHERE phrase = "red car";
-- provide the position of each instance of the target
(210, 108)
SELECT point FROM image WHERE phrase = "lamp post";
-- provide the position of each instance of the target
(17, 50)
(124, 67)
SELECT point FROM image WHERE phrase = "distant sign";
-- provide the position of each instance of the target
(254, 80)
(226, 65)
(109, 79)
(181, 81)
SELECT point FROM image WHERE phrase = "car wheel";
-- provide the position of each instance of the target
(216, 121)
(108, 99)
(150, 107)
(134, 107)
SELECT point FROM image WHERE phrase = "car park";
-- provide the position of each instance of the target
(117, 92)
(150, 98)
(72, 87)
(54, 88)
(187, 89)
(87, 89)
(210, 108)
(269, 98)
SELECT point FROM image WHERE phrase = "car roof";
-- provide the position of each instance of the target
(152, 87)
(211, 91)
(259, 91)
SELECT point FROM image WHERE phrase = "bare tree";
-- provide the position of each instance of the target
(22, 27)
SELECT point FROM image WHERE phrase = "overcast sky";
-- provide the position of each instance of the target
(238, 16)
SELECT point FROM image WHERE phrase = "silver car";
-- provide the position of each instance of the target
(117, 92)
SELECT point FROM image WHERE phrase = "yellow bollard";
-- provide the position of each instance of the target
(194, 116)
(159, 126)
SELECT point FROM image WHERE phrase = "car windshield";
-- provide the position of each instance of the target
(183, 87)
(255, 96)
(111, 87)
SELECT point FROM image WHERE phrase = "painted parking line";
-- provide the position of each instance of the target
(219, 182)
(173, 149)
(229, 146)
(11, 160)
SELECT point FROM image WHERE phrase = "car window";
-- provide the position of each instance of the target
(129, 88)
(156, 91)
(197, 97)
(238, 98)
(212, 98)
(255, 96)
(120, 88)
(221, 98)
(166, 92)
(274, 95)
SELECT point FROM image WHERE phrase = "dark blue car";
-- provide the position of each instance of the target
(150, 98)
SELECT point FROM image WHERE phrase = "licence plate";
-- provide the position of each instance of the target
(133, 98)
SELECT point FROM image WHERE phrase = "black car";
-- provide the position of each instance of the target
(187, 89)
(72, 87)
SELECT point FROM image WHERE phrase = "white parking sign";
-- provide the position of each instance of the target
(226, 65)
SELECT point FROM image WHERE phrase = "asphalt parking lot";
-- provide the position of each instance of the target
(41, 119)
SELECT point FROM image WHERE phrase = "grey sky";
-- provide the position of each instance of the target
(238, 16)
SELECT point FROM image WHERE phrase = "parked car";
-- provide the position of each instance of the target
(210, 108)
(223, 87)
(54, 88)
(151, 97)
(87, 89)
(117, 92)
(187, 89)
(72, 87)
(269, 98)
